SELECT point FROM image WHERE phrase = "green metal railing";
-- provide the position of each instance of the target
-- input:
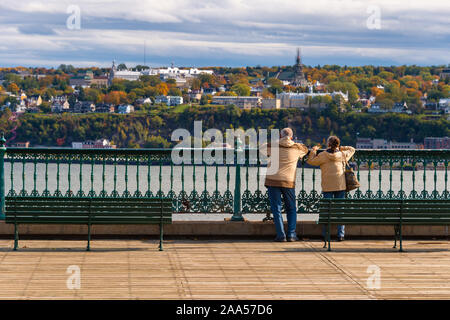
(236, 187)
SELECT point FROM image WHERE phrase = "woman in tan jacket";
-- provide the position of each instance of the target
(332, 165)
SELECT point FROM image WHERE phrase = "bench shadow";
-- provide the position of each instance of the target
(360, 250)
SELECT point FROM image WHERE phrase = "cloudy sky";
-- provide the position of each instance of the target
(224, 32)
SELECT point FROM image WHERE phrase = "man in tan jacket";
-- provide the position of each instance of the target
(280, 180)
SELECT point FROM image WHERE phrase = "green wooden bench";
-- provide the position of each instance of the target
(88, 211)
(383, 212)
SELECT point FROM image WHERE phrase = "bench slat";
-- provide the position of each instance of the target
(64, 210)
(83, 214)
(84, 203)
(390, 216)
(326, 206)
(86, 218)
(336, 200)
(385, 211)
(60, 210)
(85, 221)
(387, 222)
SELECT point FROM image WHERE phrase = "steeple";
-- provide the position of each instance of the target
(299, 79)
(112, 72)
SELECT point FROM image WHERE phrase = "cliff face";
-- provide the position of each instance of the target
(154, 129)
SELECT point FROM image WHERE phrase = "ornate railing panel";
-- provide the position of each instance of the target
(383, 174)
(236, 187)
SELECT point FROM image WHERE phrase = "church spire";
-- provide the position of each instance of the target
(299, 79)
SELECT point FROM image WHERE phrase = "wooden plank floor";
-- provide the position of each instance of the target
(224, 269)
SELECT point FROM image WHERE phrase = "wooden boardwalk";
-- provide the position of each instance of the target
(224, 269)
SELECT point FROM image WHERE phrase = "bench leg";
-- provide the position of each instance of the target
(16, 237)
(161, 237)
(395, 236)
(89, 238)
(329, 236)
(400, 236)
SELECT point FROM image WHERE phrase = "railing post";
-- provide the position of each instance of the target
(2, 175)
(237, 212)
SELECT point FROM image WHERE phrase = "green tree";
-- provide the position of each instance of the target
(241, 89)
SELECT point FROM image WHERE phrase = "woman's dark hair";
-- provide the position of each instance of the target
(333, 143)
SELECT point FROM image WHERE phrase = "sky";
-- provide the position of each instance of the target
(234, 33)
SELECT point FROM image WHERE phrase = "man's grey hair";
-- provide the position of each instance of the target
(286, 132)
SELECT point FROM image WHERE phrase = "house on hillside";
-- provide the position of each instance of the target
(376, 108)
(60, 106)
(34, 101)
(125, 108)
(105, 108)
(142, 101)
(445, 73)
(84, 107)
(169, 100)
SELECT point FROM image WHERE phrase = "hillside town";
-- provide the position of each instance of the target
(420, 92)
(124, 90)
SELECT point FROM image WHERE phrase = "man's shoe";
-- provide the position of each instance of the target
(340, 239)
(293, 239)
(280, 240)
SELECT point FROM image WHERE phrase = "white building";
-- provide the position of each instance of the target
(60, 106)
(125, 108)
(144, 100)
(21, 108)
(97, 144)
(366, 143)
(165, 73)
(444, 103)
(376, 108)
(399, 107)
(271, 104)
(241, 101)
(169, 100)
(177, 71)
(195, 94)
(127, 75)
(300, 100)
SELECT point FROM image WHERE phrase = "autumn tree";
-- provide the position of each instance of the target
(116, 97)
(12, 87)
(162, 89)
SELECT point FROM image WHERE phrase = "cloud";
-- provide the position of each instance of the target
(36, 29)
(232, 32)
